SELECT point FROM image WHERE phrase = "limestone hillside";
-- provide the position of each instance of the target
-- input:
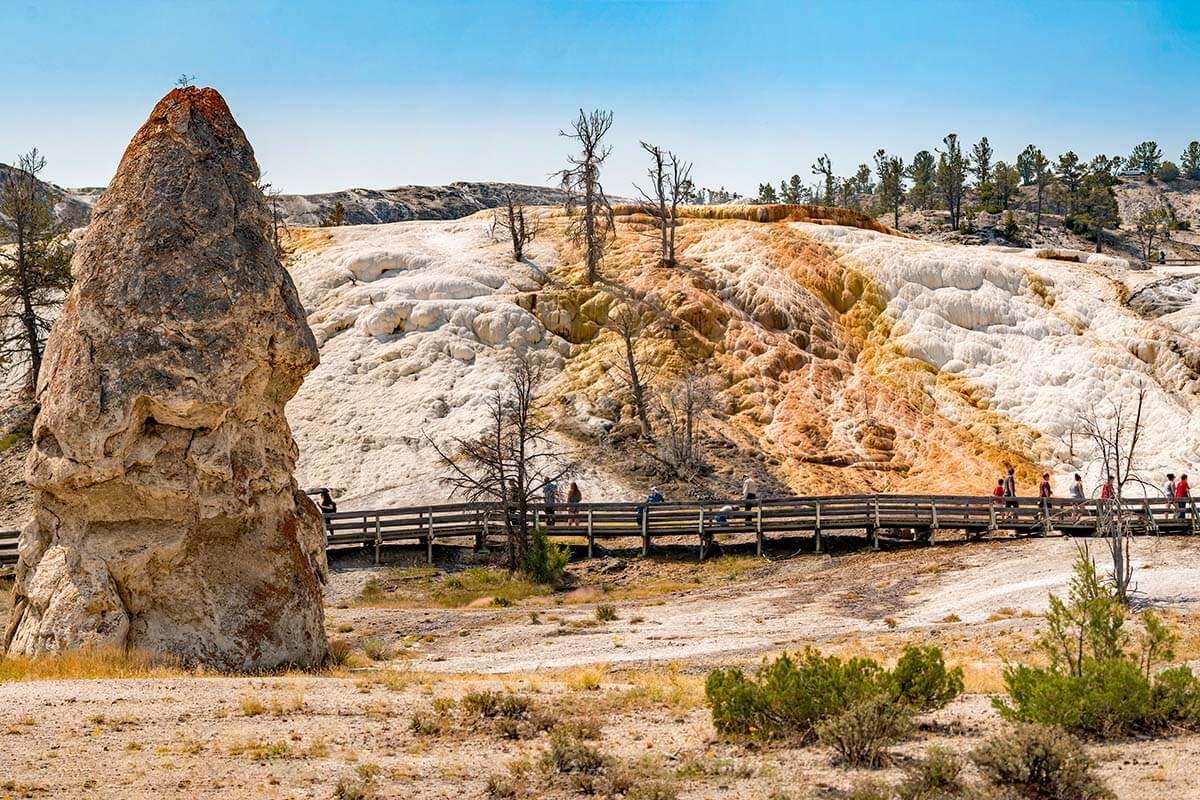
(845, 358)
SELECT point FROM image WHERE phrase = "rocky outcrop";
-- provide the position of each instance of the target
(166, 517)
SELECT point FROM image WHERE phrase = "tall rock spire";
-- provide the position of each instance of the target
(166, 517)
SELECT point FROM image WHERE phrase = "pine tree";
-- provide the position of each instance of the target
(1189, 162)
(1005, 180)
(34, 266)
(1025, 165)
(1146, 157)
(951, 177)
(921, 172)
(766, 193)
(890, 171)
(1097, 206)
(1070, 178)
(1043, 176)
(981, 159)
(824, 168)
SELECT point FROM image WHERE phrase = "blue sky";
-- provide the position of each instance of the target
(337, 94)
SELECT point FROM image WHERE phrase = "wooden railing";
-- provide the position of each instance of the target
(910, 517)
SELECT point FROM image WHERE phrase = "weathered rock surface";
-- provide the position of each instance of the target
(166, 517)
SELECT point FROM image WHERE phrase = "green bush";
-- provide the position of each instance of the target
(606, 613)
(938, 776)
(790, 696)
(546, 562)
(1037, 762)
(571, 755)
(1095, 682)
(862, 733)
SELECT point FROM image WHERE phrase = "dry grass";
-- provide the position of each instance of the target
(421, 587)
(91, 664)
(776, 212)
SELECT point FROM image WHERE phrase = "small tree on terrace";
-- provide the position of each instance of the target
(1097, 206)
(1043, 176)
(626, 322)
(34, 265)
(921, 173)
(767, 193)
(511, 218)
(508, 462)
(670, 179)
(1113, 430)
(682, 406)
(1146, 157)
(1189, 162)
(590, 228)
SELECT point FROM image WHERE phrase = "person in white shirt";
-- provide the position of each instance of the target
(749, 491)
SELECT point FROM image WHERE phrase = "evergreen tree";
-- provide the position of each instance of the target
(1025, 165)
(766, 193)
(34, 266)
(795, 189)
(1043, 176)
(1069, 179)
(824, 168)
(921, 173)
(1146, 157)
(951, 177)
(890, 171)
(981, 160)
(862, 180)
(1189, 162)
(1005, 182)
(1097, 206)
(1167, 171)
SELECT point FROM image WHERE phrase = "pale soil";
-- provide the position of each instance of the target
(190, 735)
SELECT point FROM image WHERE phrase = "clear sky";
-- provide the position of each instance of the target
(376, 94)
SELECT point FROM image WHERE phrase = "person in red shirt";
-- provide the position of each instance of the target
(1183, 492)
(998, 493)
(1044, 486)
(1108, 491)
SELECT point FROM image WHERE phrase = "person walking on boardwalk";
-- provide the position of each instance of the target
(1183, 493)
(998, 493)
(550, 499)
(574, 498)
(749, 491)
(1044, 490)
(1078, 495)
(1010, 489)
(654, 498)
(327, 505)
(1108, 491)
(1169, 489)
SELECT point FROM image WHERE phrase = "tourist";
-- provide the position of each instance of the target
(1078, 495)
(998, 493)
(574, 497)
(654, 498)
(1010, 489)
(327, 505)
(749, 491)
(1183, 493)
(721, 518)
(1108, 491)
(1044, 490)
(549, 499)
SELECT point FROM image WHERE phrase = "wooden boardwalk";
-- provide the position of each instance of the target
(877, 518)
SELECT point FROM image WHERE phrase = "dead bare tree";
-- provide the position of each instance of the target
(506, 465)
(681, 408)
(35, 270)
(272, 195)
(591, 214)
(626, 321)
(511, 217)
(670, 183)
(1113, 432)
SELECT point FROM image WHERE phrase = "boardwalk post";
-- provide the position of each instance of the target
(875, 527)
(817, 529)
(429, 538)
(646, 529)
(933, 521)
(1151, 522)
(591, 535)
(992, 517)
(758, 531)
(481, 533)
(378, 538)
(703, 543)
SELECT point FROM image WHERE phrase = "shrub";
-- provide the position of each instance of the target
(935, 777)
(789, 697)
(921, 679)
(861, 734)
(506, 705)
(1012, 231)
(1037, 761)
(571, 755)
(339, 652)
(1167, 171)
(606, 612)
(546, 561)
(1095, 683)
(377, 650)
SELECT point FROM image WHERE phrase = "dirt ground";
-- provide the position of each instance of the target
(377, 726)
